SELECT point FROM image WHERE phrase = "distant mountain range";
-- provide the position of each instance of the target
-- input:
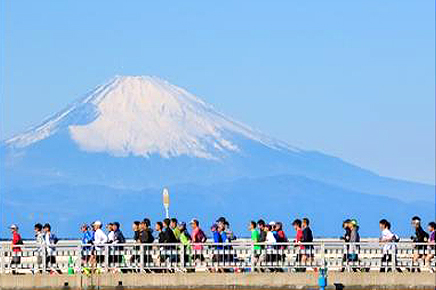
(109, 154)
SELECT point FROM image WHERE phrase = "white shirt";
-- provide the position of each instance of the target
(111, 236)
(100, 238)
(387, 237)
(50, 247)
(270, 239)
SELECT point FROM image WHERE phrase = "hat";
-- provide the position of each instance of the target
(97, 223)
(272, 223)
(193, 221)
(13, 226)
(221, 220)
(354, 222)
(182, 224)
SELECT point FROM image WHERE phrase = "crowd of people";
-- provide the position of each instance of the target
(263, 236)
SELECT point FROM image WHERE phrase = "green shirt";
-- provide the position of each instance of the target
(255, 238)
(176, 232)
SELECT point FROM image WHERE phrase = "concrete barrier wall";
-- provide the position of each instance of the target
(219, 280)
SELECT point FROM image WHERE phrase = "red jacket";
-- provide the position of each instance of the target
(16, 240)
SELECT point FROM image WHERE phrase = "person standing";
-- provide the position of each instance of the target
(16, 249)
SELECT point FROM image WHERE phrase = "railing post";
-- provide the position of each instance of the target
(2, 261)
(182, 257)
(323, 254)
(44, 258)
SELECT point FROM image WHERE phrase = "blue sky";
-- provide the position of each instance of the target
(354, 79)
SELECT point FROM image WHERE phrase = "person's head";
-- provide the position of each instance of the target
(13, 228)
(296, 224)
(346, 224)
(38, 228)
(221, 228)
(306, 222)
(147, 222)
(222, 220)
(384, 224)
(261, 224)
(194, 223)
(214, 228)
(173, 223)
(431, 226)
(135, 226)
(278, 226)
(252, 226)
(115, 226)
(84, 228)
(353, 224)
(110, 227)
(159, 226)
(416, 222)
(166, 223)
(47, 228)
(182, 226)
(268, 228)
(142, 226)
(97, 225)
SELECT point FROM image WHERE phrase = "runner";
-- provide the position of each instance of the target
(307, 238)
(16, 241)
(420, 237)
(197, 239)
(39, 239)
(388, 240)
(100, 239)
(50, 240)
(431, 248)
(175, 229)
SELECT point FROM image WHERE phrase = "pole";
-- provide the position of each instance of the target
(166, 201)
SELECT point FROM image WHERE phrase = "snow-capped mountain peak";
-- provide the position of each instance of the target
(142, 116)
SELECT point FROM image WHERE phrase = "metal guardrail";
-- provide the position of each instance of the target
(226, 257)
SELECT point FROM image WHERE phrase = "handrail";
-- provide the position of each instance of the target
(244, 256)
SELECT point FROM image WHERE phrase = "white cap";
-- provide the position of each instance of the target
(272, 223)
(13, 226)
(97, 223)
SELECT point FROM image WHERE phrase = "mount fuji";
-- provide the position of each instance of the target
(134, 135)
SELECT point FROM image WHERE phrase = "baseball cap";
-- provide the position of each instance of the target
(272, 223)
(194, 220)
(97, 223)
(13, 226)
(182, 224)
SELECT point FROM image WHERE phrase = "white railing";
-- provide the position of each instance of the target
(238, 256)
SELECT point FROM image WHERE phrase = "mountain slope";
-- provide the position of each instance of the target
(137, 132)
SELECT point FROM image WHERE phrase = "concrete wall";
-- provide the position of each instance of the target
(217, 280)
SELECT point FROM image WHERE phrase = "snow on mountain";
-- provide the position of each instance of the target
(141, 116)
(139, 132)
